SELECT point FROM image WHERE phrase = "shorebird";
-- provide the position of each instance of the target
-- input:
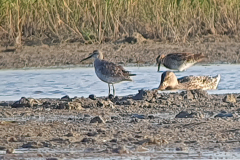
(169, 81)
(108, 72)
(179, 61)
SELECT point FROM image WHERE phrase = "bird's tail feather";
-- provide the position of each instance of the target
(199, 56)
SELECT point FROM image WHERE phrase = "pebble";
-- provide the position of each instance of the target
(92, 97)
(10, 151)
(66, 98)
(230, 98)
(97, 119)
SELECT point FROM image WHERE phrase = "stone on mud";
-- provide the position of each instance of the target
(189, 114)
(145, 95)
(10, 150)
(92, 97)
(230, 98)
(26, 102)
(32, 145)
(74, 105)
(121, 150)
(66, 98)
(223, 114)
(88, 140)
(97, 119)
(194, 94)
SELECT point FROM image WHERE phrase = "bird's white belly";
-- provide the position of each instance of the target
(184, 66)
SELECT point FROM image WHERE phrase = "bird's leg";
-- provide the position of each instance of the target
(109, 90)
(113, 90)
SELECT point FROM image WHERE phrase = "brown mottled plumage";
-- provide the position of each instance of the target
(169, 81)
(109, 72)
(178, 61)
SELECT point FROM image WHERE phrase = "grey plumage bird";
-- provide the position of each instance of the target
(179, 61)
(109, 72)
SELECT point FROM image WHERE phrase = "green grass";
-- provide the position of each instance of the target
(96, 20)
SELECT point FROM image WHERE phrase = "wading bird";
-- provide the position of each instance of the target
(109, 72)
(179, 61)
(169, 81)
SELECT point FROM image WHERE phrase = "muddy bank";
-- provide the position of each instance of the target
(134, 124)
(126, 52)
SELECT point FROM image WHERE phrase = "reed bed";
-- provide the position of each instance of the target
(101, 20)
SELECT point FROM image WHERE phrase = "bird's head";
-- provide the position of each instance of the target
(95, 54)
(168, 81)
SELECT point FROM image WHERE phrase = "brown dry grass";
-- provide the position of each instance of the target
(102, 20)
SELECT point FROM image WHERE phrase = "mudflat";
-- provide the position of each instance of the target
(128, 125)
(142, 52)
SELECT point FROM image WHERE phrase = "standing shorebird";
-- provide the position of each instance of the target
(179, 61)
(108, 72)
(169, 81)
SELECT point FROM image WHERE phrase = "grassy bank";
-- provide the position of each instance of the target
(101, 20)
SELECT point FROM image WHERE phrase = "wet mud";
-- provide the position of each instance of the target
(128, 125)
(139, 51)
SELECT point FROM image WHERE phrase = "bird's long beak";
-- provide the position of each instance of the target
(159, 66)
(86, 58)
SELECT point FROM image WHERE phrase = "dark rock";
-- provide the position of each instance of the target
(186, 114)
(198, 93)
(92, 134)
(138, 116)
(88, 140)
(111, 96)
(145, 95)
(187, 94)
(86, 115)
(125, 102)
(23, 102)
(134, 120)
(194, 94)
(97, 119)
(114, 118)
(89, 150)
(51, 158)
(223, 114)
(60, 106)
(66, 98)
(32, 145)
(114, 140)
(230, 98)
(2, 148)
(120, 150)
(92, 97)
(151, 117)
(69, 134)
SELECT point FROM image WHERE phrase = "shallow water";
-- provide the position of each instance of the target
(55, 83)
(167, 153)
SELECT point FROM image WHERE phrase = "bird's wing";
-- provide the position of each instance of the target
(112, 69)
(199, 82)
